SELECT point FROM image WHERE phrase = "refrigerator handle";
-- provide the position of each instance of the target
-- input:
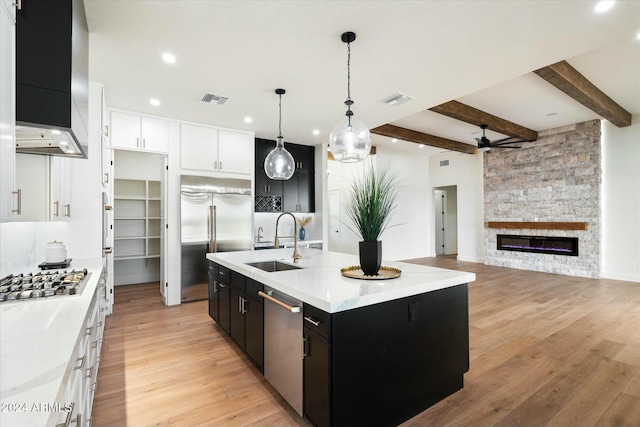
(210, 228)
(215, 230)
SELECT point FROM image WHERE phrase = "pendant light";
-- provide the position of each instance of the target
(279, 163)
(350, 140)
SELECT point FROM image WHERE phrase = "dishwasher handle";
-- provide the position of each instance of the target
(291, 308)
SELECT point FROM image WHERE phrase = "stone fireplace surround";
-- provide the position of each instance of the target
(554, 179)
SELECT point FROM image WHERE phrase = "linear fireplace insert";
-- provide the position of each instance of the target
(538, 244)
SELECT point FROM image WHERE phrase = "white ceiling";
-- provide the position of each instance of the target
(480, 53)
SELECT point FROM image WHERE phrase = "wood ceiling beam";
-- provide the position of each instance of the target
(570, 81)
(465, 113)
(409, 135)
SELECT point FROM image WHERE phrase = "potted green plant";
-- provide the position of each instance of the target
(371, 205)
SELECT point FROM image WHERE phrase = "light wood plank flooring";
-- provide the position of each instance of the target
(546, 350)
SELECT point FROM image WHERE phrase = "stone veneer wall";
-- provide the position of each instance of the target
(556, 178)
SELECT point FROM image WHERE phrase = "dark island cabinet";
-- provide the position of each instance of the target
(382, 364)
(317, 366)
(214, 295)
(240, 312)
(296, 194)
(224, 299)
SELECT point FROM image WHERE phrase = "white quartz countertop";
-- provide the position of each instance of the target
(320, 283)
(37, 340)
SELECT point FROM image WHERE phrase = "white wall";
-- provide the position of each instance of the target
(409, 233)
(621, 201)
(466, 172)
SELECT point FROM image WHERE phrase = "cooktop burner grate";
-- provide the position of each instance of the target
(42, 285)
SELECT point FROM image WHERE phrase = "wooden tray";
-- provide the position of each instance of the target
(355, 272)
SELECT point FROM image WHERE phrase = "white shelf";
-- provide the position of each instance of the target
(137, 222)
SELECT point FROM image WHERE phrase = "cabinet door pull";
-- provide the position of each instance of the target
(215, 164)
(311, 320)
(67, 420)
(222, 285)
(81, 360)
(144, 142)
(18, 210)
(220, 165)
(106, 177)
(305, 346)
(67, 210)
(137, 142)
(56, 212)
(244, 306)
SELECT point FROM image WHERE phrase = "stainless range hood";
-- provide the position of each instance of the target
(52, 78)
(51, 142)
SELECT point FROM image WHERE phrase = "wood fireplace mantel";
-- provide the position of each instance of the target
(520, 225)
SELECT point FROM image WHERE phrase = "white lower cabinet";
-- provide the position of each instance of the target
(76, 395)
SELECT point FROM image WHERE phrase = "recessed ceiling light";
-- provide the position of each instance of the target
(316, 132)
(155, 102)
(169, 58)
(394, 140)
(55, 131)
(603, 6)
(638, 36)
(421, 146)
(64, 143)
(248, 119)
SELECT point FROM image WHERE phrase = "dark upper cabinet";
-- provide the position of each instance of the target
(264, 184)
(293, 195)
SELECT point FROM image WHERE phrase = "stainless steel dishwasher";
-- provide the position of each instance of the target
(283, 345)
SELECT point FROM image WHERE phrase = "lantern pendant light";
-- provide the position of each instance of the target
(350, 140)
(279, 163)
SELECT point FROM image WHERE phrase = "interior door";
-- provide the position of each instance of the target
(439, 206)
(334, 221)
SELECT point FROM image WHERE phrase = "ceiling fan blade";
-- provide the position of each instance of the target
(502, 146)
(479, 141)
(506, 140)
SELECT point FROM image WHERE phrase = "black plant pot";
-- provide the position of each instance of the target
(370, 257)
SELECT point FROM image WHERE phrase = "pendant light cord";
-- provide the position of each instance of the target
(280, 118)
(349, 101)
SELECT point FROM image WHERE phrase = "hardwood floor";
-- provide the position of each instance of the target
(545, 349)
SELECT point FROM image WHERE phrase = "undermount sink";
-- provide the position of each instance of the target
(272, 266)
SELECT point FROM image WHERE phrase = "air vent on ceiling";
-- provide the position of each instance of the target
(216, 99)
(397, 99)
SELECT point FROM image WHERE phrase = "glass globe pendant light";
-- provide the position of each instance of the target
(279, 163)
(350, 140)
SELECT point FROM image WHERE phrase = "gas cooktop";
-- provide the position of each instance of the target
(41, 285)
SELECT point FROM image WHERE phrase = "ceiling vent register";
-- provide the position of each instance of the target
(215, 99)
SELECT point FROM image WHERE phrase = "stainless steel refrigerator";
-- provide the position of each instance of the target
(216, 216)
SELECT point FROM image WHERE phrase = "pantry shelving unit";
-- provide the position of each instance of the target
(137, 230)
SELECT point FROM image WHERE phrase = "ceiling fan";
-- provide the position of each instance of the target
(484, 144)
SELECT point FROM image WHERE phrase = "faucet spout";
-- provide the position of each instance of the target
(296, 255)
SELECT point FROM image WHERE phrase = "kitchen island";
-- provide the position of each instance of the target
(374, 352)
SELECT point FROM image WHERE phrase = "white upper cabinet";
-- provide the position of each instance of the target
(236, 152)
(134, 132)
(198, 148)
(215, 150)
(60, 202)
(8, 190)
